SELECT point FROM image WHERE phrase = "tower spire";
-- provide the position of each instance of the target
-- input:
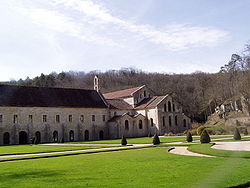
(96, 83)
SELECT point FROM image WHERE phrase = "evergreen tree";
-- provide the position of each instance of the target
(124, 141)
(237, 134)
(156, 140)
(189, 137)
(245, 132)
(205, 138)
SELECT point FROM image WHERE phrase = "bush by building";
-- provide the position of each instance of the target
(205, 138)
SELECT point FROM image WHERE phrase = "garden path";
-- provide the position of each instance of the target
(183, 150)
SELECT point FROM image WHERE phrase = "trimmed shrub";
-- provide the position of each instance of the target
(156, 140)
(124, 141)
(149, 135)
(245, 132)
(189, 137)
(200, 129)
(237, 134)
(205, 138)
(62, 140)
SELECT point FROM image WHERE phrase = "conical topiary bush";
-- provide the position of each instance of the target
(245, 132)
(156, 140)
(189, 137)
(124, 141)
(237, 134)
(205, 138)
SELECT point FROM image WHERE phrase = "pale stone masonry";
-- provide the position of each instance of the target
(56, 114)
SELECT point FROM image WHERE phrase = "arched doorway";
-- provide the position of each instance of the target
(55, 136)
(6, 138)
(38, 137)
(101, 135)
(86, 135)
(71, 135)
(23, 137)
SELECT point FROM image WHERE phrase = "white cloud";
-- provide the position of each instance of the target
(58, 22)
(175, 37)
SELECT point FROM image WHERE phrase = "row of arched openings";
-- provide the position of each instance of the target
(127, 124)
(23, 137)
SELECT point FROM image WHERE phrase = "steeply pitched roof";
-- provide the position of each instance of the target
(149, 102)
(22, 96)
(119, 104)
(122, 93)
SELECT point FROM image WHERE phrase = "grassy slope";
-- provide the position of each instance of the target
(18, 149)
(146, 140)
(206, 149)
(135, 168)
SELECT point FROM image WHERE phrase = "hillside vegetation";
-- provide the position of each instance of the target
(198, 92)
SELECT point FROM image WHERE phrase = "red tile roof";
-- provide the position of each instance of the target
(149, 102)
(122, 93)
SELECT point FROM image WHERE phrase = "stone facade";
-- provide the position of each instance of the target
(135, 112)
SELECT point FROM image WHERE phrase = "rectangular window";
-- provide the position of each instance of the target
(44, 118)
(103, 118)
(1, 118)
(70, 118)
(93, 117)
(15, 119)
(30, 119)
(81, 118)
(57, 118)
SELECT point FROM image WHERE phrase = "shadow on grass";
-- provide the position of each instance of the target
(29, 174)
(245, 185)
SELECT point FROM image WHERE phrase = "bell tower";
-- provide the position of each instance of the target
(96, 83)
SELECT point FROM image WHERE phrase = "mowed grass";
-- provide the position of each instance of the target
(21, 149)
(146, 140)
(153, 167)
(206, 149)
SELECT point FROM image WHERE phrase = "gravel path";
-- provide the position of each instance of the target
(236, 146)
(66, 152)
(183, 150)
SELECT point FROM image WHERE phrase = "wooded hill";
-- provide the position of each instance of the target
(198, 92)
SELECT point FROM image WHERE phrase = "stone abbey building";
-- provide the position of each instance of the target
(52, 114)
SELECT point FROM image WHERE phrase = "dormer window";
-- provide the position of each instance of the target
(145, 94)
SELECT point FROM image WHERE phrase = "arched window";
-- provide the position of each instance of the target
(71, 135)
(184, 123)
(151, 122)
(38, 137)
(23, 137)
(165, 107)
(170, 121)
(163, 121)
(86, 135)
(173, 108)
(126, 125)
(176, 120)
(140, 124)
(6, 138)
(55, 136)
(169, 106)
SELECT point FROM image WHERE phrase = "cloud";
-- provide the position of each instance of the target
(174, 37)
(58, 22)
(95, 23)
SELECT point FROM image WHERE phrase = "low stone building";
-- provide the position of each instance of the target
(55, 114)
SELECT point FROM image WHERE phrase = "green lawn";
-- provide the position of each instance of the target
(145, 140)
(206, 149)
(19, 149)
(153, 167)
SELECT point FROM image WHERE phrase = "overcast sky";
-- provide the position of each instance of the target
(170, 36)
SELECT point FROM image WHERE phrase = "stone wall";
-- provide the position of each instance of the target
(72, 128)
